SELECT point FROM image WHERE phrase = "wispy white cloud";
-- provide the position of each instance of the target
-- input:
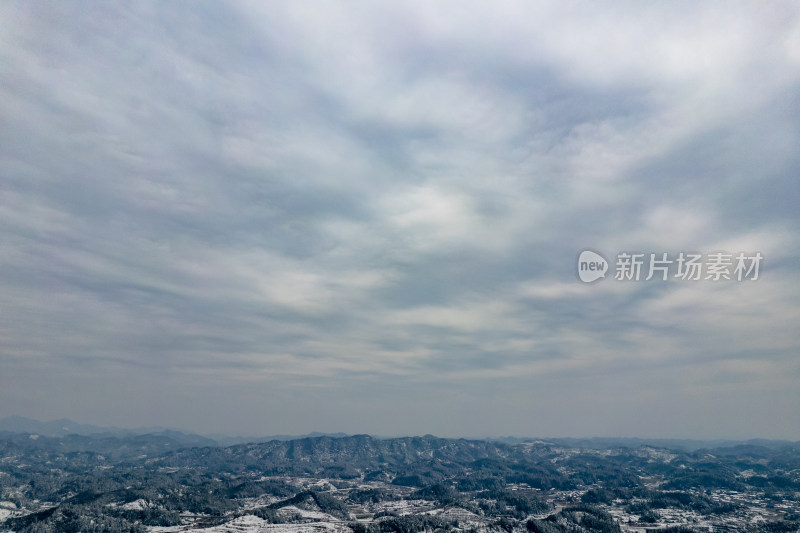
(382, 205)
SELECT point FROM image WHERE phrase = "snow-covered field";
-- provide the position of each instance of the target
(291, 510)
(253, 524)
(7, 510)
(403, 507)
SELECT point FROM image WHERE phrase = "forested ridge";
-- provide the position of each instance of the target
(74, 483)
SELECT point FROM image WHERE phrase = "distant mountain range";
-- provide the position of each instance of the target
(64, 427)
(686, 445)
(58, 429)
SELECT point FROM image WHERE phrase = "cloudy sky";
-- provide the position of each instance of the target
(284, 217)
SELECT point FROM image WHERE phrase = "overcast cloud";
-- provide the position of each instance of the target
(282, 217)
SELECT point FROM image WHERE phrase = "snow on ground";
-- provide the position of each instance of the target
(456, 513)
(291, 510)
(8, 510)
(138, 505)
(261, 501)
(656, 454)
(253, 524)
(323, 485)
(403, 507)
